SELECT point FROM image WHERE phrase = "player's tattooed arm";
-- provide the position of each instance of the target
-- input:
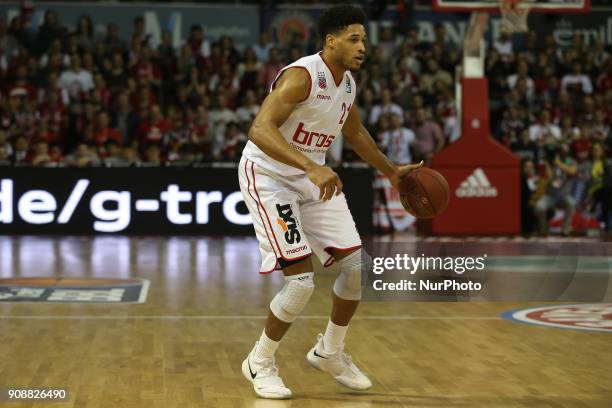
(291, 88)
(364, 145)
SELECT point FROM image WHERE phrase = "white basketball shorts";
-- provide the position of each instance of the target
(289, 219)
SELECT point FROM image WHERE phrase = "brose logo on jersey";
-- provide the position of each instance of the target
(287, 223)
(304, 137)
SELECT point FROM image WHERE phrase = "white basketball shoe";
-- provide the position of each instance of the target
(339, 365)
(264, 376)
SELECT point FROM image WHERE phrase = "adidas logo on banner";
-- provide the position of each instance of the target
(476, 185)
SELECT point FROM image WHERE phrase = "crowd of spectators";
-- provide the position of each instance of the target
(75, 98)
(552, 107)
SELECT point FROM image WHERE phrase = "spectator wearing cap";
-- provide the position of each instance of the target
(19, 115)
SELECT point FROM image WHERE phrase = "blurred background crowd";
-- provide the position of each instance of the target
(78, 98)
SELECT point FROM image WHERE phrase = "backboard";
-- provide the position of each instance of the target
(542, 6)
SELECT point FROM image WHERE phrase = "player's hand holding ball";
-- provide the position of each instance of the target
(327, 180)
(424, 192)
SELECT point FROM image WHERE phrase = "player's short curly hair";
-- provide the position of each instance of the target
(337, 18)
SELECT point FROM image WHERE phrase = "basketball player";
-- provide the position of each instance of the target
(297, 204)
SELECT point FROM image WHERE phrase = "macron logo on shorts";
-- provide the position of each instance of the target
(287, 223)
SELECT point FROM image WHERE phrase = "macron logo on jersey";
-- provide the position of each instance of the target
(476, 185)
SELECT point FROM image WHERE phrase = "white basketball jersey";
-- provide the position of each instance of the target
(316, 121)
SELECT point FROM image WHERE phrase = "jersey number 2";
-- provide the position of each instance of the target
(345, 110)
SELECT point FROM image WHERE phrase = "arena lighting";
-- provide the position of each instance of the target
(40, 206)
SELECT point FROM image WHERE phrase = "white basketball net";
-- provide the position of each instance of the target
(514, 15)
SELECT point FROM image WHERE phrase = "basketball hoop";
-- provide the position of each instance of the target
(514, 15)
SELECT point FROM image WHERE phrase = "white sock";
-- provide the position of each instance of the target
(333, 337)
(265, 348)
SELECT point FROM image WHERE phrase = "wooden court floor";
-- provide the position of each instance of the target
(206, 304)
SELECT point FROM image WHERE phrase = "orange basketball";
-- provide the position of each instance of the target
(424, 193)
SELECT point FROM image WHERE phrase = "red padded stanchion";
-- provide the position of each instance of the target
(483, 175)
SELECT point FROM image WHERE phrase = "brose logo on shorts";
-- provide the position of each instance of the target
(288, 224)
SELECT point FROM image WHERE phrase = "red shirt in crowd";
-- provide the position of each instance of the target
(147, 69)
(153, 132)
(104, 135)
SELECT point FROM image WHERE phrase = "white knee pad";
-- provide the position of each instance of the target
(293, 297)
(348, 283)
